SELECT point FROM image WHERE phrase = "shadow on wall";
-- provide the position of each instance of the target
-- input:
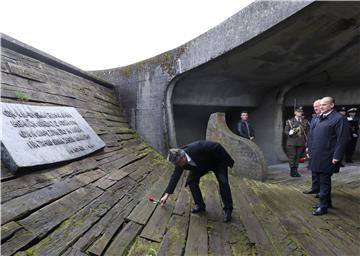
(191, 121)
(249, 159)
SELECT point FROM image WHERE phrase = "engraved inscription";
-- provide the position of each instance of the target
(46, 134)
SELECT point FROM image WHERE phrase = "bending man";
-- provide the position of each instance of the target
(200, 157)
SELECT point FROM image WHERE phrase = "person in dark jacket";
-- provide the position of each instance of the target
(244, 128)
(315, 186)
(200, 157)
(328, 139)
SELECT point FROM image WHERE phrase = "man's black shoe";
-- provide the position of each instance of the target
(198, 209)
(310, 191)
(318, 205)
(317, 195)
(320, 211)
(227, 215)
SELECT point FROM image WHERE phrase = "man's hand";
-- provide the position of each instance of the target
(163, 199)
(291, 132)
(334, 161)
(252, 138)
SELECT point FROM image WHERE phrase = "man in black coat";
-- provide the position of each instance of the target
(200, 157)
(328, 139)
(315, 186)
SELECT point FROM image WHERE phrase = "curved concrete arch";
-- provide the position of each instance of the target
(249, 159)
(253, 61)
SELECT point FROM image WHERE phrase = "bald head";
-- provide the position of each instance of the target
(316, 106)
(327, 104)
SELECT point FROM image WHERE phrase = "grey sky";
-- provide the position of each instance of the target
(94, 34)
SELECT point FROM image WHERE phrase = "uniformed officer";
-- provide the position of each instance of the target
(296, 130)
(354, 134)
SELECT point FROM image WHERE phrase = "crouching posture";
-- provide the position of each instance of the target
(199, 158)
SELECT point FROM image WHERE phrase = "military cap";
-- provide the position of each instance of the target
(175, 154)
(352, 110)
(342, 109)
(299, 109)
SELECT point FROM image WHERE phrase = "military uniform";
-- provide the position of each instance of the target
(296, 130)
(354, 134)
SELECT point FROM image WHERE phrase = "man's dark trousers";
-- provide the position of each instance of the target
(315, 182)
(325, 189)
(222, 177)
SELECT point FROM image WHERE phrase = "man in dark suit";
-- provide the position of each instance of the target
(328, 139)
(200, 157)
(244, 128)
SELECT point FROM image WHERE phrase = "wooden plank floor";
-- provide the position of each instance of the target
(270, 218)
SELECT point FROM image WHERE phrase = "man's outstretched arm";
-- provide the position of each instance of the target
(174, 179)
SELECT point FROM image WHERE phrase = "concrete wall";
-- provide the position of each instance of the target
(256, 59)
(147, 110)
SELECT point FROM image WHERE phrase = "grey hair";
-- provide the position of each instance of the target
(175, 154)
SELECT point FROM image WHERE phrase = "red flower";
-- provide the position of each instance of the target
(152, 199)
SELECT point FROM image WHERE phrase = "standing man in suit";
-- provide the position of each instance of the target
(244, 128)
(200, 157)
(328, 139)
(296, 130)
(315, 186)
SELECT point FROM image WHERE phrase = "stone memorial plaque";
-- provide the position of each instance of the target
(39, 135)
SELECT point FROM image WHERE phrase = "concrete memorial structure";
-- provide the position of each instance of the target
(249, 159)
(39, 135)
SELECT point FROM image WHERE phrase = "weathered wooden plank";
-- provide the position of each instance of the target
(219, 241)
(34, 181)
(23, 205)
(211, 197)
(115, 175)
(197, 240)
(281, 240)
(9, 229)
(143, 247)
(155, 228)
(5, 174)
(144, 209)
(74, 252)
(116, 219)
(27, 73)
(33, 95)
(48, 217)
(58, 241)
(114, 166)
(238, 238)
(175, 237)
(299, 220)
(123, 239)
(108, 224)
(254, 229)
(20, 239)
(182, 205)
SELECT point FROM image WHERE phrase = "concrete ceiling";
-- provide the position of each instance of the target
(318, 46)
